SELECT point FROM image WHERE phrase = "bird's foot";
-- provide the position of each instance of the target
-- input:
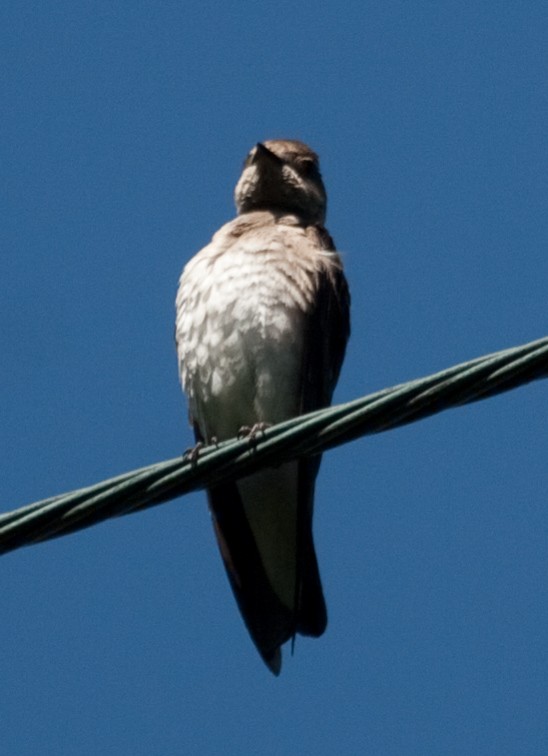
(251, 432)
(193, 452)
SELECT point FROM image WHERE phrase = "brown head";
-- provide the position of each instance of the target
(282, 175)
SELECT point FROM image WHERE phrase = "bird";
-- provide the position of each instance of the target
(262, 323)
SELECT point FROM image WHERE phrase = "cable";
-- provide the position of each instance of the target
(301, 436)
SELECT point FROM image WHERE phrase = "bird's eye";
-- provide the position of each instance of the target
(308, 167)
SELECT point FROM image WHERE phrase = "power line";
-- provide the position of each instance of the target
(308, 434)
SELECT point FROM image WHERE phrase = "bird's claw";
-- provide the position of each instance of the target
(252, 431)
(193, 452)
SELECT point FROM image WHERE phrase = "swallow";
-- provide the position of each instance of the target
(262, 323)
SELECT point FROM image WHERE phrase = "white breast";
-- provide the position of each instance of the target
(240, 325)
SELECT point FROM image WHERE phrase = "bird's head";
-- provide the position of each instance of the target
(282, 175)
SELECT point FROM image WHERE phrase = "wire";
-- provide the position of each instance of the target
(301, 436)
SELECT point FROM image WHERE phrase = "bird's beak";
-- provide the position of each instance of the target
(262, 154)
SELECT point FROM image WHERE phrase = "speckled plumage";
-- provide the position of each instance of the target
(262, 324)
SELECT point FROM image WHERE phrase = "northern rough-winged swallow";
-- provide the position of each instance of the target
(262, 325)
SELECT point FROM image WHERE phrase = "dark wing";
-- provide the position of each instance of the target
(328, 330)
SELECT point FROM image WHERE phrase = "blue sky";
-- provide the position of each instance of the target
(123, 131)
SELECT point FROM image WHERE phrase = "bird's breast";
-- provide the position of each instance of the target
(240, 335)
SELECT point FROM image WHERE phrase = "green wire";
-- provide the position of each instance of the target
(300, 436)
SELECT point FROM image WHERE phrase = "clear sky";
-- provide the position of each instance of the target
(123, 130)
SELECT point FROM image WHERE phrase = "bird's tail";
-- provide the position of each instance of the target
(263, 525)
